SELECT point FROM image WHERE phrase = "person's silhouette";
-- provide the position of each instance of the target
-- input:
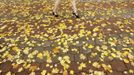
(73, 2)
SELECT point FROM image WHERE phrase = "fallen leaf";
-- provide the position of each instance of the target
(40, 55)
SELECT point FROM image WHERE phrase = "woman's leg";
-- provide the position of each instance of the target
(56, 5)
(75, 13)
(74, 6)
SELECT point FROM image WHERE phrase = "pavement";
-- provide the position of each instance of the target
(34, 42)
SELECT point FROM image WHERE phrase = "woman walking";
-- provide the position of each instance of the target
(73, 2)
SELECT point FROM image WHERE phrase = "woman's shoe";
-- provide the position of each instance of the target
(56, 15)
(76, 15)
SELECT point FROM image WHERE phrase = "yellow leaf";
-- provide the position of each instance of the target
(82, 65)
(96, 29)
(113, 55)
(81, 33)
(16, 49)
(32, 73)
(10, 56)
(67, 59)
(99, 73)
(103, 24)
(20, 69)
(62, 26)
(56, 50)
(131, 71)
(26, 50)
(89, 32)
(65, 72)
(71, 72)
(40, 55)
(43, 72)
(126, 60)
(90, 46)
(66, 66)
(130, 56)
(15, 65)
(82, 56)
(96, 65)
(32, 68)
(8, 73)
(70, 21)
(94, 34)
(55, 70)
(104, 47)
(107, 67)
(105, 53)
(49, 59)
(125, 53)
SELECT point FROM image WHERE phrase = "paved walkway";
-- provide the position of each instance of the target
(33, 42)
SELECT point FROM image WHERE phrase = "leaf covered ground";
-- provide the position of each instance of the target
(33, 42)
